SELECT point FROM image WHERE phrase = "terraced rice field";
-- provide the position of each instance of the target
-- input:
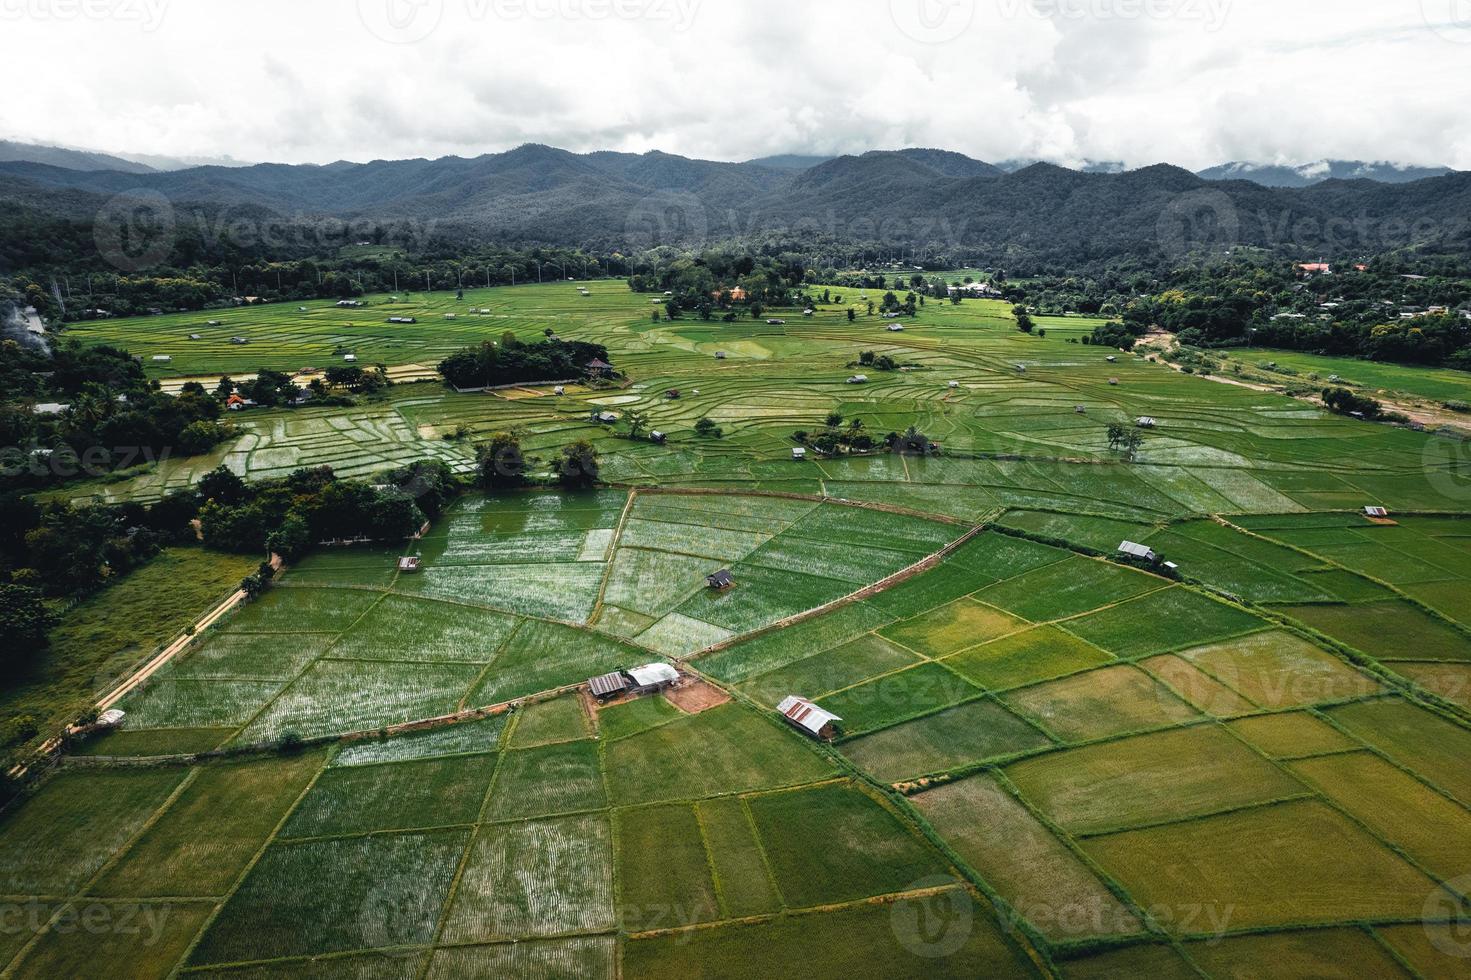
(1047, 763)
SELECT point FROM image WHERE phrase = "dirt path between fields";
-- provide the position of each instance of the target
(168, 653)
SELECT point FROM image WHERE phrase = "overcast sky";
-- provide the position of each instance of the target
(1192, 82)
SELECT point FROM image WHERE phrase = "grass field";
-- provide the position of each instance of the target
(1047, 764)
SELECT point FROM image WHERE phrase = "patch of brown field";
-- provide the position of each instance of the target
(694, 696)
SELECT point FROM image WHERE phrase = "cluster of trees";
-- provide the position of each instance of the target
(879, 362)
(707, 279)
(1398, 308)
(290, 516)
(114, 416)
(512, 362)
(1122, 439)
(64, 551)
(1345, 402)
(501, 464)
(838, 435)
(201, 276)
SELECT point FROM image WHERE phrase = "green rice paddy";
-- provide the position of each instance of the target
(1047, 763)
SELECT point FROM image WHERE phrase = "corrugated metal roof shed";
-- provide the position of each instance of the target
(608, 685)
(806, 715)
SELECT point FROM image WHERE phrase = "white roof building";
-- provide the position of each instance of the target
(654, 675)
(807, 716)
(111, 718)
(1376, 512)
(1134, 550)
(1146, 422)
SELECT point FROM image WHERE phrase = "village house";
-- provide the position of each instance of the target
(720, 581)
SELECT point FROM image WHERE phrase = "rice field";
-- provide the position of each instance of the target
(1046, 763)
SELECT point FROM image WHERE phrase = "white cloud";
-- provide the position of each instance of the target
(1194, 82)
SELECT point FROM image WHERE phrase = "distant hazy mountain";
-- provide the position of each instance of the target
(1086, 167)
(182, 163)
(1308, 174)
(73, 158)
(543, 194)
(57, 156)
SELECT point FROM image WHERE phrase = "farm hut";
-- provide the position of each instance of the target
(162, 358)
(858, 379)
(658, 437)
(1171, 567)
(599, 367)
(1112, 359)
(1113, 381)
(214, 323)
(1081, 409)
(1021, 369)
(608, 686)
(402, 319)
(239, 341)
(349, 357)
(721, 580)
(235, 403)
(1133, 550)
(953, 385)
(652, 677)
(809, 312)
(111, 718)
(776, 323)
(410, 564)
(559, 390)
(808, 717)
(195, 336)
(607, 418)
(720, 355)
(799, 454)
(1146, 422)
(673, 394)
(1376, 512)
(897, 328)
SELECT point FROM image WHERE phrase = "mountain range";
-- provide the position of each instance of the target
(906, 197)
(1308, 174)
